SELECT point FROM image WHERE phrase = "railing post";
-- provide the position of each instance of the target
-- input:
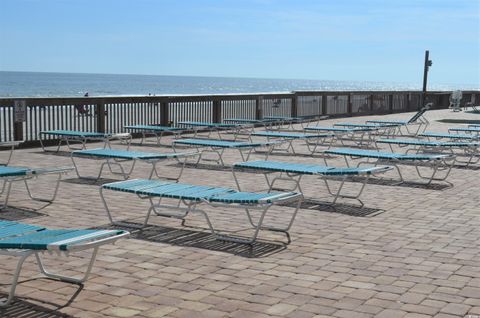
(324, 104)
(390, 103)
(407, 97)
(19, 116)
(370, 102)
(217, 111)
(294, 109)
(349, 105)
(164, 114)
(259, 107)
(101, 116)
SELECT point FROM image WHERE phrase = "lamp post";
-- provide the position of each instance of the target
(426, 66)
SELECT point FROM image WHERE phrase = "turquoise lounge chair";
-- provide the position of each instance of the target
(218, 148)
(9, 175)
(189, 197)
(11, 145)
(293, 172)
(439, 136)
(417, 119)
(435, 162)
(469, 150)
(23, 240)
(361, 136)
(386, 129)
(198, 126)
(470, 130)
(69, 136)
(313, 141)
(117, 157)
(156, 131)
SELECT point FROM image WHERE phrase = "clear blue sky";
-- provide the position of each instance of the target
(373, 40)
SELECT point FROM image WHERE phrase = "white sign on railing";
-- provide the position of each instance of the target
(20, 107)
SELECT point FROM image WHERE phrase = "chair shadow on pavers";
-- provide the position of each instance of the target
(60, 153)
(404, 184)
(91, 182)
(17, 214)
(340, 208)
(190, 236)
(25, 309)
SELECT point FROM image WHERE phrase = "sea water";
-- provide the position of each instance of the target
(35, 84)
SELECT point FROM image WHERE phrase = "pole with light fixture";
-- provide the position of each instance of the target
(426, 66)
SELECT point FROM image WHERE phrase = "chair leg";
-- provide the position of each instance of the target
(16, 275)
(8, 185)
(57, 186)
(68, 279)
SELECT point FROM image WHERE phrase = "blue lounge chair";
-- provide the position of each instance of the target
(439, 136)
(23, 240)
(113, 157)
(387, 129)
(9, 175)
(470, 130)
(469, 150)
(361, 136)
(267, 123)
(192, 196)
(313, 141)
(198, 126)
(218, 148)
(435, 162)
(11, 145)
(156, 131)
(417, 119)
(286, 120)
(69, 136)
(293, 172)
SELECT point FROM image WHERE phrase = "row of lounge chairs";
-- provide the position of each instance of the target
(24, 240)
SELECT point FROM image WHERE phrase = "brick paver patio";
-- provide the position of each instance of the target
(411, 251)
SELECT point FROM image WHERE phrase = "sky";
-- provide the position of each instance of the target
(361, 40)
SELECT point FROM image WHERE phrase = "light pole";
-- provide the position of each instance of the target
(426, 66)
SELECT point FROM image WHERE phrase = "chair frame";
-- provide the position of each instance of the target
(113, 160)
(83, 137)
(12, 145)
(156, 131)
(440, 163)
(295, 177)
(186, 206)
(23, 254)
(31, 174)
(312, 141)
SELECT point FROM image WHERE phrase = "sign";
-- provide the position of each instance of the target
(20, 109)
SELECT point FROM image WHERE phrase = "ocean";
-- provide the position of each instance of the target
(36, 84)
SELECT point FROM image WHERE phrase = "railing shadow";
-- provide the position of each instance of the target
(187, 237)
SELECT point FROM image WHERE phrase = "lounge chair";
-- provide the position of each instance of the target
(190, 197)
(438, 136)
(113, 157)
(23, 240)
(381, 129)
(361, 136)
(293, 172)
(9, 175)
(218, 147)
(11, 145)
(465, 130)
(156, 131)
(198, 126)
(434, 162)
(286, 120)
(417, 119)
(267, 123)
(469, 150)
(313, 141)
(69, 136)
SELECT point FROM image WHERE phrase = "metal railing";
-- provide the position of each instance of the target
(111, 114)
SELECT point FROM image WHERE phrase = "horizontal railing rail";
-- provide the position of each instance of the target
(111, 113)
